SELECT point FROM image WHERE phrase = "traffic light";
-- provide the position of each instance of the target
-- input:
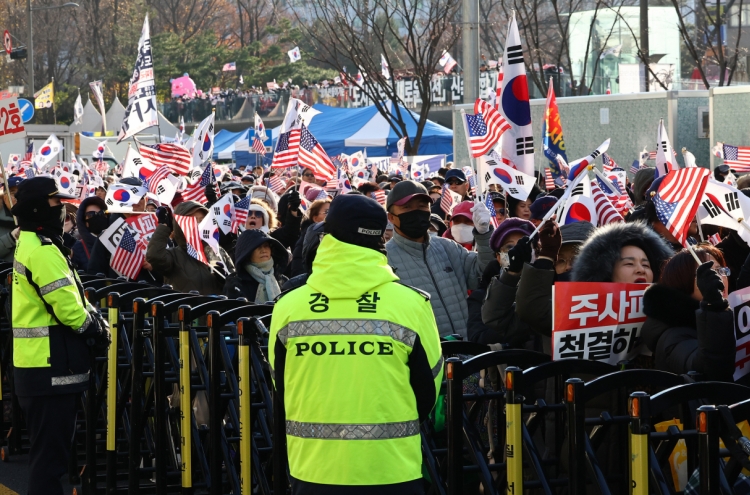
(18, 54)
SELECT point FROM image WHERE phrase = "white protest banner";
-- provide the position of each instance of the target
(597, 321)
(739, 301)
(11, 123)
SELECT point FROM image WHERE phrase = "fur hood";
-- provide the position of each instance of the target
(601, 251)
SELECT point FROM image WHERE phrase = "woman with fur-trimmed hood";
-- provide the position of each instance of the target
(621, 252)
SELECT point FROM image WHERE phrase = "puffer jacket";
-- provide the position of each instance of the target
(241, 283)
(685, 337)
(444, 269)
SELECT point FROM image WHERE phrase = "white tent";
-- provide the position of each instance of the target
(115, 115)
(92, 120)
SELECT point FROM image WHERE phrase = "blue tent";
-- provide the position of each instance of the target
(236, 146)
(348, 130)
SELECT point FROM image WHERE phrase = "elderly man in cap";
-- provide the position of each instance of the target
(355, 356)
(434, 264)
(456, 181)
(53, 329)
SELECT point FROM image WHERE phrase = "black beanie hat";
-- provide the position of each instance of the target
(357, 219)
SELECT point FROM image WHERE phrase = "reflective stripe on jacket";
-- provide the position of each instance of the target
(49, 358)
(357, 359)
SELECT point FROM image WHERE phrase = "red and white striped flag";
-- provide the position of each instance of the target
(276, 184)
(175, 156)
(678, 197)
(485, 128)
(379, 196)
(605, 212)
(714, 239)
(159, 175)
(287, 150)
(313, 156)
(241, 209)
(189, 227)
(549, 181)
(737, 157)
(128, 257)
(197, 191)
(447, 199)
(608, 163)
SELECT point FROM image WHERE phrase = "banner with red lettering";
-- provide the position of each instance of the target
(597, 321)
(739, 301)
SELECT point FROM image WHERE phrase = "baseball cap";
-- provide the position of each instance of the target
(356, 219)
(577, 232)
(541, 206)
(463, 209)
(455, 173)
(394, 177)
(403, 192)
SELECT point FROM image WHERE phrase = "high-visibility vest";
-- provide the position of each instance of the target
(49, 356)
(347, 335)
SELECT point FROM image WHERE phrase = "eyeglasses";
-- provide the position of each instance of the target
(91, 214)
(723, 270)
(454, 182)
(500, 211)
(308, 175)
(255, 213)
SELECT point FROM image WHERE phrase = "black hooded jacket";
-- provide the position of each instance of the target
(684, 337)
(241, 283)
(84, 246)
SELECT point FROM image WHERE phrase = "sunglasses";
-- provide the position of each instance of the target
(454, 182)
(255, 213)
(91, 214)
(308, 175)
(500, 211)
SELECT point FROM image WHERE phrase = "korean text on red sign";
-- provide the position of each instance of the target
(597, 321)
(11, 123)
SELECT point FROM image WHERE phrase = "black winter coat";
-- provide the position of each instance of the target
(684, 337)
(241, 283)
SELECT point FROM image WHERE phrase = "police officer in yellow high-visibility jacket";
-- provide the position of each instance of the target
(53, 327)
(356, 357)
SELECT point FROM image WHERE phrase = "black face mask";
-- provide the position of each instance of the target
(414, 224)
(42, 219)
(97, 224)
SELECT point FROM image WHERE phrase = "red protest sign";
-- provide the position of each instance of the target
(597, 321)
(11, 123)
(145, 225)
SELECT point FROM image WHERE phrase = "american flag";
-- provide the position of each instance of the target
(189, 227)
(259, 137)
(29, 152)
(287, 150)
(159, 175)
(493, 214)
(737, 157)
(241, 208)
(276, 184)
(469, 173)
(446, 200)
(128, 257)
(635, 167)
(678, 198)
(608, 163)
(714, 239)
(549, 181)
(258, 145)
(379, 196)
(313, 156)
(197, 191)
(485, 128)
(605, 212)
(174, 156)
(652, 154)
(321, 195)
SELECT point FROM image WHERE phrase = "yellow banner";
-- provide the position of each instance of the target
(45, 97)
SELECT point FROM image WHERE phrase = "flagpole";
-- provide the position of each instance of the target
(563, 200)
(54, 109)
(472, 160)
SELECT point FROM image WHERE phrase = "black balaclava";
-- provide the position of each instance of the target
(39, 217)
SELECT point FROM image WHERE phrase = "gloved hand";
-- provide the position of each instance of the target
(294, 201)
(164, 216)
(519, 254)
(711, 286)
(211, 194)
(97, 333)
(480, 215)
(550, 240)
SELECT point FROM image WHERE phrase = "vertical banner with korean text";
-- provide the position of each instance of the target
(597, 321)
(141, 111)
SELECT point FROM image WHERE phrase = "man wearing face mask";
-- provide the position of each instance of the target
(53, 329)
(92, 221)
(434, 264)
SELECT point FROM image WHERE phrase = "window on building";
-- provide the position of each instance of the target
(735, 20)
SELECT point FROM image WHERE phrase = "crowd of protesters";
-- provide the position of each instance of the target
(487, 285)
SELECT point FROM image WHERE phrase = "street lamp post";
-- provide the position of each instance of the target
(30, 43)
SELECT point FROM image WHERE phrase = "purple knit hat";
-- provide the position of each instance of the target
(508, 227)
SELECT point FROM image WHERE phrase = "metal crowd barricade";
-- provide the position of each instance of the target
(460, 418)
